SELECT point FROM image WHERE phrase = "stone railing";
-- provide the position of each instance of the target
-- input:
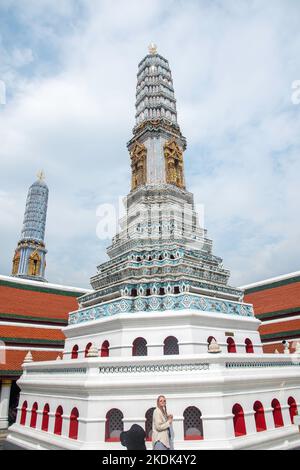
(261, 364)
(193, 364)
(62, 370)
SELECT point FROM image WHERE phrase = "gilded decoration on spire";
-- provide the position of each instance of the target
(34, 264)
(174, 163)
(16, 262)
(138, 165)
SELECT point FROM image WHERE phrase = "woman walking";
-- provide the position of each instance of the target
(162, 432)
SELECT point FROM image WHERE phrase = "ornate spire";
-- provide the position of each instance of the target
(29, 259)
(160, 251)
(36, 210)
(155, 97)
(157, 136)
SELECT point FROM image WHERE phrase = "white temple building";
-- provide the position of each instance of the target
(161, 319)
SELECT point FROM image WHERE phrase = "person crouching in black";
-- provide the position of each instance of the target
(134, 439)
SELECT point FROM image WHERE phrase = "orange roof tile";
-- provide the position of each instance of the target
(271, 348)
(272, 300)
(291, 325)
(36, 304)
(31, 333)
(15, 359)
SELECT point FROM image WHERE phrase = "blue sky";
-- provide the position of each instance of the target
(70, 72)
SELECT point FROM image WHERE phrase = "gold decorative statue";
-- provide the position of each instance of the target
(174, 163)
(16, 262)
(138, 165)
(34, 264)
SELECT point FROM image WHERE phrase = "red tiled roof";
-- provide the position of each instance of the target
(271, 348)
(15, 359)
(36, 304)
(272, 300)
(291, 325)
(32, 333)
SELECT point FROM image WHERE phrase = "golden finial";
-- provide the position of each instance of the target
(153, 48)
(41, 175)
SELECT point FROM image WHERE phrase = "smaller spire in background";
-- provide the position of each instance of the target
(29, 260)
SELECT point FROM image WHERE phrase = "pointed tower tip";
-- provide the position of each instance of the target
(152, 48)
(41, 175)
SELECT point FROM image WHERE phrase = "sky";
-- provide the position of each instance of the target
(69, 69)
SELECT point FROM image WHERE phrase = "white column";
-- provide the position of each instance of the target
(120, 351)
(269, 418)
(155, 350)
(65, 425)
(186, 348)
(91, 430)
(217, 426)
(51, 422)
(285, 409)
(4, 403)
(178, 428)
(39, 419)
(250, 422)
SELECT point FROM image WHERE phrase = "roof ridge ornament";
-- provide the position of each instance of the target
(28, 358)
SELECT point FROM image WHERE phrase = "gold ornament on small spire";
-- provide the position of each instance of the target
(41, 175)
(153, 48)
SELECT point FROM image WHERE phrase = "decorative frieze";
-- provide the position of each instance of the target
(153, 303)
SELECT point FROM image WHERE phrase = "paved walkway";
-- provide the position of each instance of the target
(3, 435)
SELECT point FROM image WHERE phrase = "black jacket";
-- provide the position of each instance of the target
(134, 439)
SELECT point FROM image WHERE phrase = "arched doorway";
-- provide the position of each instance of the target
(249, 346)
(114, 425)
(45, 421)
(171, 346)
(292, 408)
(231, 347)
(139, 347)
(277, 414)
(259, 416)
(75, 352)
(193, 426)
(239, 421)
(34, 415)
(73, 429)
(105, 349)
(58, 421)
